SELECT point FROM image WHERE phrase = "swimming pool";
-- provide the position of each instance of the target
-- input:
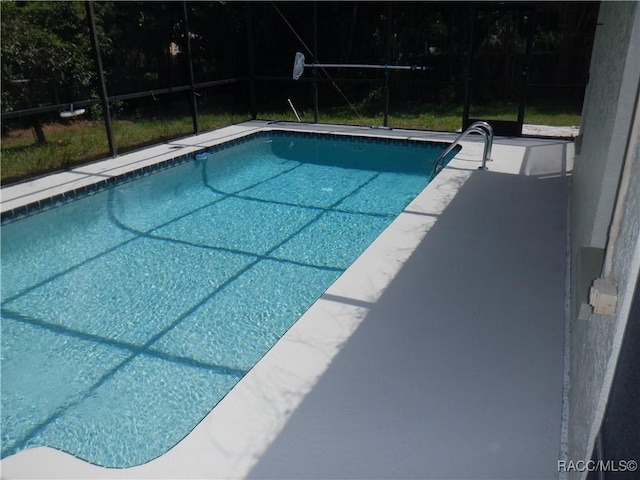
(128, 314)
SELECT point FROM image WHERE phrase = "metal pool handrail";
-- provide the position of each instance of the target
(484, 129)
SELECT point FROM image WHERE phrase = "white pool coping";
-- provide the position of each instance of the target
(239, 436)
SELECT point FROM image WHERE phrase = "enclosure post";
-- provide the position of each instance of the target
(386, 70)
(524, 86)
(315, 59)
(469, 68)
(103, 86)
(386, 97)
(194, 105)
(252, 85)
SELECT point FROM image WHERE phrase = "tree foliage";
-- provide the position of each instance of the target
(47, 56)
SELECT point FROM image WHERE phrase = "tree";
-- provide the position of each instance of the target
(46, 55)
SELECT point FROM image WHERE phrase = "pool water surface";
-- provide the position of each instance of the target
(128, 314)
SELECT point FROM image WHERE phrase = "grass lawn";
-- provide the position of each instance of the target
(81, 141)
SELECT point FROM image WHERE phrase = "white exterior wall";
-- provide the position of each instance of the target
(607, 111)
(608, 114)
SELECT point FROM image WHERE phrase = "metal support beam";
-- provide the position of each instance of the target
(386, 72)
(103, 86)
(192, 94)
(524, 86)
(315, 57)
(252, 82)
(473, 16)
(126, 96)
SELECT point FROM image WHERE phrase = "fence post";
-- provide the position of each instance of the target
(103, 86)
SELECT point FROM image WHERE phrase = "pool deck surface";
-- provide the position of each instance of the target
(438, 354)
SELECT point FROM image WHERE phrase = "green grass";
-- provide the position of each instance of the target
(79, 142)
(82, 141)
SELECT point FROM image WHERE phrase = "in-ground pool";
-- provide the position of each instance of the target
(127, 314)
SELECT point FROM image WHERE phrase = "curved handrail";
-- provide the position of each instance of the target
(489, 145)
(481, 127)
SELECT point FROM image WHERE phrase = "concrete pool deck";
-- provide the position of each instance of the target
(438, 354)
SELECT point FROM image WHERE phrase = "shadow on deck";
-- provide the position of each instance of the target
(457, 370)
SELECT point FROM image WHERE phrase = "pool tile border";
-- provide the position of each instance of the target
(72, 194)
(59, 199)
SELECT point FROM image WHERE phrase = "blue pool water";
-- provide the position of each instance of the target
(129, 313)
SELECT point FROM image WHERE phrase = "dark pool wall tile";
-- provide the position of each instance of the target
(90, 189)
